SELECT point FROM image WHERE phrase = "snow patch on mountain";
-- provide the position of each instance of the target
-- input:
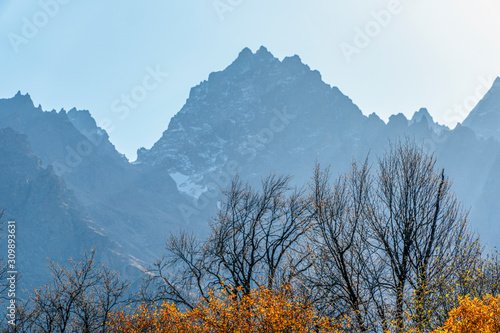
(187, 184)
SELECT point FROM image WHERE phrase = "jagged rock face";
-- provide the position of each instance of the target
(118, 200)
(261, 115)
(484, 119)
(256, 115)
(50, 223)
(57, 140)
(423, 115)
(48, 132)
(254, 95)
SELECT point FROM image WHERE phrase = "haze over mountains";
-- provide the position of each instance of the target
(69, 189)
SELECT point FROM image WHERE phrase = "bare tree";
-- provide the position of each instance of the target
(253, 233)
(384, 242)
(79, 299)
(372, 245)
(254, 241)
(416, 225)
(182, 275)
(339, 238)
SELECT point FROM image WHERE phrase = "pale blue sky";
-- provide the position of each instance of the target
(86, 54)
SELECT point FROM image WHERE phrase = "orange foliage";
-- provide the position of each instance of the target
(474, 315)
(262, 310)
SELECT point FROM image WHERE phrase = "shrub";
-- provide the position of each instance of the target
(474, 315)
(228, 310)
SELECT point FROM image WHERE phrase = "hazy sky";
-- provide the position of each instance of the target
(388, 56)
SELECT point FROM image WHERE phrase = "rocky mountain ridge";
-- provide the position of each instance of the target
(257, 116)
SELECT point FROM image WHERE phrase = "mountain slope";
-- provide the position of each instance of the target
(50, 223)
(243, 117)
(484, 119)
(121, 202)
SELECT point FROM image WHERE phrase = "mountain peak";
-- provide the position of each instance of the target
(398, 120)
(20, 95)
(420, 115)
(23, 99)
(496, 83)
(293, 59)
(263, 52)
(423, 117)
(234, 103)
(247, 60)
(245, 54)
